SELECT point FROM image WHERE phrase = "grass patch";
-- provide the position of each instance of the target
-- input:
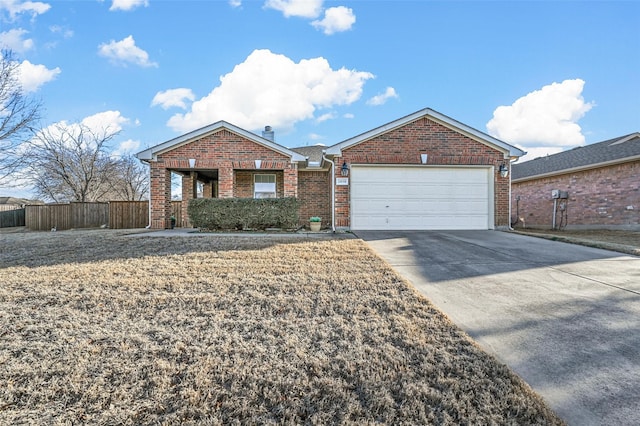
(97, 327)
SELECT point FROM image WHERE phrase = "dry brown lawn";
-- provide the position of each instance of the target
(97, 327)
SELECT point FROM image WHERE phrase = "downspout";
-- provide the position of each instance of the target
(149, 225)
(509, 223)
(510, 168)
(333, 191)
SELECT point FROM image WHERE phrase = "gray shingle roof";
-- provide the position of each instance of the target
(612, 150)
(314, 152)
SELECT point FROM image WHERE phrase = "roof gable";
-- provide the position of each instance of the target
(612, 151)
(437, 117)
(151, 153)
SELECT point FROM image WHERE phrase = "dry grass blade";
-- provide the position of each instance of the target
(100, 328)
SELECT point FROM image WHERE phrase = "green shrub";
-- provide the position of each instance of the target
(243, 213)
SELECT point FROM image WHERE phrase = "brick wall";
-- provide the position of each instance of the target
(243, 186)
(607, 197)
(224, 151)
(314, 193)
(160, 193)
(443, 146)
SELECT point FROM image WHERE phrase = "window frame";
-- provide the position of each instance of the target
(264, 193)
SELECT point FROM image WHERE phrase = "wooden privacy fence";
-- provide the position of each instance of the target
(66, 216)
(135, 214)
(176, 211)
(10, 218)
(115, 214)
(128, 214)
(45, 217)
(89, 215)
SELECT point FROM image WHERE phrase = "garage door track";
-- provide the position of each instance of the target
(566, 318)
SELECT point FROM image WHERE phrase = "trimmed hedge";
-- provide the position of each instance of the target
(243, 213)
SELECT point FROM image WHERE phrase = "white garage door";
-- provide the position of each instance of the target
(405, 198)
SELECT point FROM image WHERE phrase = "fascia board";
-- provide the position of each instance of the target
(626, 138)
(477, 135)
(152, 153)
(442, 119)
(578, 169)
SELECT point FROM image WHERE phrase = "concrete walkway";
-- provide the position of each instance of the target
(566, 318)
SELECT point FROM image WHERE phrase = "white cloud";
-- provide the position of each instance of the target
(382, 98)
(315, 137)
(348, 115)
(301, 8)
(64, 31)
(127, 147)
(128, 4)
(125, 51)
(235, 3)
(325, 117)
(100, 123)
(173, 98)
(271, 89)
(336, 19)
(16, 7)
(111, 120)
(32, 76)
(543, 118)
(14, 40)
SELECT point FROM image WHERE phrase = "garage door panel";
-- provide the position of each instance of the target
(387, 191)
(420, 198)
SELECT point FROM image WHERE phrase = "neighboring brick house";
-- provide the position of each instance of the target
(422, 171)
(601, 182)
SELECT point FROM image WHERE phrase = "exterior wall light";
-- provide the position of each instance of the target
(503, 170)
(344, 170)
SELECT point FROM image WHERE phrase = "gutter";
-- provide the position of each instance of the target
(333, 191)
(578, 169)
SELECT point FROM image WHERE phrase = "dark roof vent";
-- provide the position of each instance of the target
(268, 133)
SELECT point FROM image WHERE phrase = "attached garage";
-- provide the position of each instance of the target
(421, 198)
(424, 171)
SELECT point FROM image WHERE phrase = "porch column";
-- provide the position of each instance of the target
(189, 192)
(291, 181)
(225, 182)
(160, 196)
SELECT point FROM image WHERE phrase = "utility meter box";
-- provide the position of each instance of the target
(564, 195)
(555, 193)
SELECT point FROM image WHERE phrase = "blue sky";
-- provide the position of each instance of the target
(542, 75)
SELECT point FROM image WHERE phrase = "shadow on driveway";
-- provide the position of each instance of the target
(566, 318)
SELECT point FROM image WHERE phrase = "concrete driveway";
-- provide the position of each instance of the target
(566, 318)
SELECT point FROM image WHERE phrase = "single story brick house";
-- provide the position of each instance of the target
(422, 171)
(593, 186)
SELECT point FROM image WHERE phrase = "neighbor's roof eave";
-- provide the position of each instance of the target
(151, 153)
(577, 169)
(449, 122)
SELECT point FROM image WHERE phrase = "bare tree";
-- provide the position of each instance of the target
(18, 113)
(130, 182)
(72, 163)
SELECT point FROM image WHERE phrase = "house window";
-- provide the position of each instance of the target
(264, 186)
